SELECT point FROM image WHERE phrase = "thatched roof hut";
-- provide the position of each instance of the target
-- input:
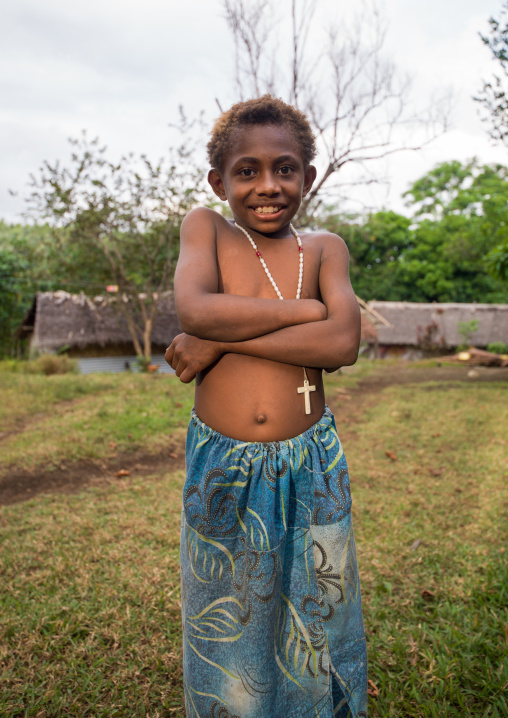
(370, 321)
(369, 333)
(90, 327)
(436, 326)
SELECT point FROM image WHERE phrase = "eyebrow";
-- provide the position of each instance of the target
(255, 160)
(248, 160)
(286, 158)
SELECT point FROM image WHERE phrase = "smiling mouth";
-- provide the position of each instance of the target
(268, 209)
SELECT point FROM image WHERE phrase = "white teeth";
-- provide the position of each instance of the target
(267, 210)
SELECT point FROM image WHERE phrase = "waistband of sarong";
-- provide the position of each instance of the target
(322, 425)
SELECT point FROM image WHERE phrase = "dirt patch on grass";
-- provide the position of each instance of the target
(347, 404)
(21, 485)
(404, 373)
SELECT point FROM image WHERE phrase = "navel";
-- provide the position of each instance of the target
(260, 418)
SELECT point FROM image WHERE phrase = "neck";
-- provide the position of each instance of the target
(282, 233)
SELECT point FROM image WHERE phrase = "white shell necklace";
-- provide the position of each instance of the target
(263, 263)
(306, 388)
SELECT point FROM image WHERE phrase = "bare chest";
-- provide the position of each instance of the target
(241, 272)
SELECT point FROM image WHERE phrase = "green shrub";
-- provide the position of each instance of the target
(497, 348)
(141, 364)
(44, 364)
(466, 331)
(51, 364)
(15, 365)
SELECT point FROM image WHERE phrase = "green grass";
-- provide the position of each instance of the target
(90, 613)
(89, 606)
(350, 376)
(48, 420)
(436, 616)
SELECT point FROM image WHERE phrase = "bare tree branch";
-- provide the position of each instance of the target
(357, 101)
(493, 96)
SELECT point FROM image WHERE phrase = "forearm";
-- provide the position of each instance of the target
(323, 345)
(233, 318)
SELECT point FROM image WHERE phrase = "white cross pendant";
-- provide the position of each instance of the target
(306, 389)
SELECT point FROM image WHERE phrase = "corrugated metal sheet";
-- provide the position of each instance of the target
(116, 365)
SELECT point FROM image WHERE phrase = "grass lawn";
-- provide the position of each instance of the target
(89, 598)
(48, 420)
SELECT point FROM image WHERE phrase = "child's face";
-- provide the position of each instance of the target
(264, 178)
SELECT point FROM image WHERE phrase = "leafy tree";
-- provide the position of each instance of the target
(468, 204)
(460, 218)
(118, 223)
(494, 93)
(28, 263)
(11, 292)
(353, 95)
(43, 268)
(375, 242)
(497, 260)
(432, 270)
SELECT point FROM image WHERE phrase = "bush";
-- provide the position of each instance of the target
(14, 365)
(497, 348)
(51, 364)
(467, 329)
(45, 364)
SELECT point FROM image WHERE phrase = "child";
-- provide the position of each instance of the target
(270, 592)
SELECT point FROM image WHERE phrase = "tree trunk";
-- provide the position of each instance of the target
(147, 337)
(134, 336)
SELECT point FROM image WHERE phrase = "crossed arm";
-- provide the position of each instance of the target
(303, 332)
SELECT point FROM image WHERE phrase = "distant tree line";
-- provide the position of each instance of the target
(447, 252)
(99, 222)
(444, 252)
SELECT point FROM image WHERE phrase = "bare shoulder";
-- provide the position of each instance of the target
(203, 225)
(334, 281)
(329, 245)
(199, 219)
(196, 270)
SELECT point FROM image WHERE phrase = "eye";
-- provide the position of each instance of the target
(246, 172)
(285, 170)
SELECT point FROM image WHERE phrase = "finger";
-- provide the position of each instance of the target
(179, 366)
(187, 375)
(175, 358)
(168, 356)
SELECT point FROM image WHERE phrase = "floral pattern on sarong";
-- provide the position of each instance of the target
(270, 590)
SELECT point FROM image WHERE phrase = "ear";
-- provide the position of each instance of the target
(216, 183)
(308, 179)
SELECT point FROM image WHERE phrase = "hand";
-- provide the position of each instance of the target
(189, 355)
(318, 310)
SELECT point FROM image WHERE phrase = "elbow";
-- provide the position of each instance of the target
(190, 324)
(351, 355)
(188, 320)
(193, 318)
(196, 326)
(344, 353)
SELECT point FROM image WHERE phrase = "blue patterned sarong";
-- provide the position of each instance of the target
(271, 601)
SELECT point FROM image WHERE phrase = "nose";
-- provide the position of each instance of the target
(267, 184)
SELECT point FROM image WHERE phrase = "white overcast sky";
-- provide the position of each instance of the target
(120, 68)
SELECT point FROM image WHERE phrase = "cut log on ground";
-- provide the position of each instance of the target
(477, 357)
